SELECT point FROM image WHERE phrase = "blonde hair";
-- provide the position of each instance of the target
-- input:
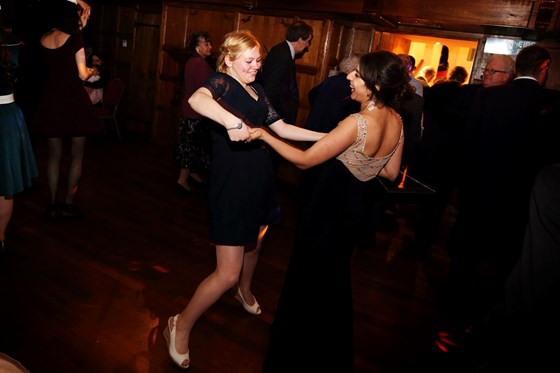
(235, 43)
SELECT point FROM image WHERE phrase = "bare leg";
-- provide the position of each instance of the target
(53, 165)
(75, 172)
(183, 178)
(197, 177)
(229, 260)
(249, 264)
(6, 209)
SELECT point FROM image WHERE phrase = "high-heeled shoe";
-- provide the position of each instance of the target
(255, 309)
(169, 333)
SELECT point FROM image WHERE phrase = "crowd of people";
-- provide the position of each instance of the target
(489, 145)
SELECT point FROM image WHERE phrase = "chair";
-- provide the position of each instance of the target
(112, 94)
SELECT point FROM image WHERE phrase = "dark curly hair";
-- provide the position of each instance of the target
(194, 40)
(386, 76)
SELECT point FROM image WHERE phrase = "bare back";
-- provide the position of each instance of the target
(357, 158)
(383, 131)
(54, 39)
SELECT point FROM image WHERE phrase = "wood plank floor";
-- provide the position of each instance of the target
(93, 295)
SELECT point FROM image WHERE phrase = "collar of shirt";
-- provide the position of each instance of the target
(292, 50)
(526, 77)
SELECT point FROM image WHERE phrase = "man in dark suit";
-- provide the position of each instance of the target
(502, 154)
(518, 333)
(528, 312)
(278, 75)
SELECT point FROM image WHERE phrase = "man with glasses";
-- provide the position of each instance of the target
(499, 70)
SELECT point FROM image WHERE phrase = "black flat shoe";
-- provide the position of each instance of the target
(182, 189)
(70, 211)
(51, 212)
(196, 182)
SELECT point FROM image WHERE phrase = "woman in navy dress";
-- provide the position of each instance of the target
(241, 181)
(17, 160)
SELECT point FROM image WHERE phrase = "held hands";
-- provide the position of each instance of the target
(256, 134)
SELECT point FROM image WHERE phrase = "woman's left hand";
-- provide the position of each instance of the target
(255, 134)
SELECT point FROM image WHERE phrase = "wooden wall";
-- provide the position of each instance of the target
(332, 40)
(155, 35)
(128, 35)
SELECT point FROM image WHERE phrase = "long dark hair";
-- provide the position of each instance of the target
(386, 70)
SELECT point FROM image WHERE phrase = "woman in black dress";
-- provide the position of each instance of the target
(313, 324)
(64, 109)
(241, 180)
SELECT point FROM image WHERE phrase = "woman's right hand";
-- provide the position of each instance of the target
(86, 9)
(85, 12)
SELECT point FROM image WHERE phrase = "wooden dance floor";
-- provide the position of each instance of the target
(93, 295)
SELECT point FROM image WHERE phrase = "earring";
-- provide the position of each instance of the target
(370, 106)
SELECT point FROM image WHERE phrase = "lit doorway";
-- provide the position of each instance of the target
(426, 50)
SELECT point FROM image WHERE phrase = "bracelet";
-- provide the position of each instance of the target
(238, 127)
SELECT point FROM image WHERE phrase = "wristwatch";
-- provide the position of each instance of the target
(238, 127)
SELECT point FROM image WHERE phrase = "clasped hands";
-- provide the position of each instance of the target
(244, 133)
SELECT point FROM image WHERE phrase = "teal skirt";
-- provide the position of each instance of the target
(17, 159)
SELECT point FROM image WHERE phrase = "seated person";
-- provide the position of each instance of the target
(95, 84)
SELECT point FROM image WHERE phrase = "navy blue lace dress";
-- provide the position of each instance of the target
(241, 179)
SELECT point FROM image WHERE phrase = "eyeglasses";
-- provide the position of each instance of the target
(492, 71)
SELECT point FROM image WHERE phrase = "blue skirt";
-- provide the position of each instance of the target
(17, 160)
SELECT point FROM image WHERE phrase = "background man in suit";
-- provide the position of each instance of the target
(529, 308)
(278, 74)
(279, 70)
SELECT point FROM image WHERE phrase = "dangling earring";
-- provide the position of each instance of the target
(371, 105)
